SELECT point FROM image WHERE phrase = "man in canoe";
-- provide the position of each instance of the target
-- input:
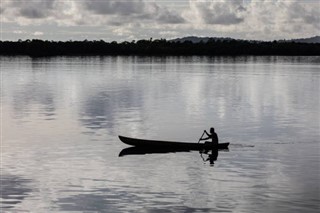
(213, 136)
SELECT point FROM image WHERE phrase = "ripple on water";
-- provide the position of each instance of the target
(14, 189)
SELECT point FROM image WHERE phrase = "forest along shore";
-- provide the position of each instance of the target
(161, 47)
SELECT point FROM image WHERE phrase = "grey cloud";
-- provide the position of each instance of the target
(224, 13)
(110, 11)
(33, 9)
(115, 7)
(223, 19)
(263, 19)
(130, 11)
(310, 15)
(169, 17)
(32, 13)
(116, 22)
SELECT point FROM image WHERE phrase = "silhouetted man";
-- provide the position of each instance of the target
(213, 136)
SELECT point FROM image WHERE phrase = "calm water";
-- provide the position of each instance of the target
(61, 117)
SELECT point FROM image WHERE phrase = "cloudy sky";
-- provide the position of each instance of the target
(142, 19)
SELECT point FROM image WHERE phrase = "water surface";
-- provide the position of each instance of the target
(60, 118)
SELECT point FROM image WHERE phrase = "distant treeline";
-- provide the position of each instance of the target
(156, 47)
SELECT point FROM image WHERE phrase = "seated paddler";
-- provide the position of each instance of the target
(213, 135)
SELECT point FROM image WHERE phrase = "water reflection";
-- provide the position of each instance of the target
(144, 151)
(207, 155)
(270, 103)
(147, 92)
(129, 200)
(14, 189)
(101, 108)
(33, 95)
(210, 157)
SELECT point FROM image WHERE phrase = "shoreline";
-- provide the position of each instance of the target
(40, 48)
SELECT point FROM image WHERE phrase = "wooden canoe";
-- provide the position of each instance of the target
(170, 144)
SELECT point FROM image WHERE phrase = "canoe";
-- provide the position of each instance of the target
(170, 144)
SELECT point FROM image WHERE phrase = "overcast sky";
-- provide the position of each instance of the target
(142, 19)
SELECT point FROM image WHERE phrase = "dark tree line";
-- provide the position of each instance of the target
(156, 47)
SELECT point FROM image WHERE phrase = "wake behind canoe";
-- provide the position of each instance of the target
(170, 144)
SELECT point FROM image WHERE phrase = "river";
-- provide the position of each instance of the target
(61, 117)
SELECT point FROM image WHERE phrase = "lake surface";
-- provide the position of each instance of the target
(60, 118)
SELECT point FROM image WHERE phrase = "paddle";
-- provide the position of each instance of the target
(201, 137)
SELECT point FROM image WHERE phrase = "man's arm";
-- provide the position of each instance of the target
(205, 131)
(202, 139)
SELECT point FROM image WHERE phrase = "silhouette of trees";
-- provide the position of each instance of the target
(212, 47)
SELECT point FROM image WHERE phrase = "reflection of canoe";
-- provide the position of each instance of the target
(135, 150)
(170, 144)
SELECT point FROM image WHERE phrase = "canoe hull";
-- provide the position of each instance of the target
(171, 144)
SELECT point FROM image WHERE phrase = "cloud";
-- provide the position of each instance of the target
(18, 32)
(224, 12)
(281, 19)
(122, 31)
(169, 17)
(33, 9)
(263, 19)
(133, 11)
(108, 7)
(32, 13)
(38, 33)
(301, 12)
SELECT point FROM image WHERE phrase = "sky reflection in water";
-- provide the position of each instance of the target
(61, 117)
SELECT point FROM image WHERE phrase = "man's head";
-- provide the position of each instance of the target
(211, 130)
